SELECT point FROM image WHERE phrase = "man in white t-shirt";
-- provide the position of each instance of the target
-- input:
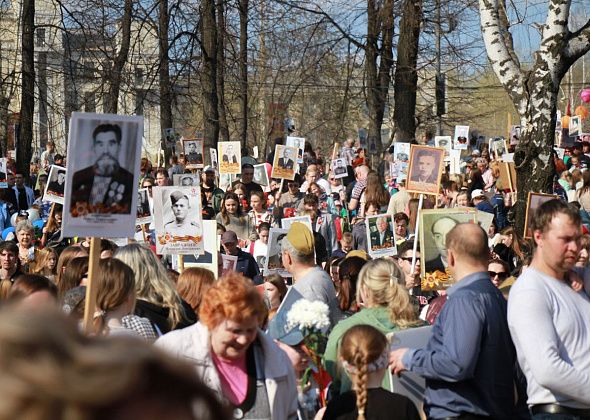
(549, 321)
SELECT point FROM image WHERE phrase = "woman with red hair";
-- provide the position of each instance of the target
(233, 356)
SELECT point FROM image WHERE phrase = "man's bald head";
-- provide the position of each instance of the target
(469, 241)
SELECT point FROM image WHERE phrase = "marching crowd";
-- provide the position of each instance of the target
(508, 340)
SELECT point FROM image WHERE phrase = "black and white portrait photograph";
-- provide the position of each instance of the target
(285, 163)
(575, 127)
(261, 175)
(144, 214)
(274, 263)
(434, 226)
(461, 138)
(178, 220)
(425, 169)
(3, 173)
(56, 184)
(231, 157)
(102, 175)
(498, 147)
(193, 153)
(170, 136)
(209, 258)
(380, 235)
(185, 180)
(299, 143)
(339, 168)
(444, 142)
(214, 160)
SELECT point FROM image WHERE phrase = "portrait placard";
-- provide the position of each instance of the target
(434, 226)
(209, 258)
(461, 139)
(56, 184)
(231, 157)
(401, 156)
(193, 153)
(144, 213)
(288, 221)
(380, 235)
(339, 168)
(444, 142)
(3, 173)
(485, 219)
(274, 262)
(425, 169)
(261, 175)
(575, 127)
(102, 175)
(185, 180)
(170, 136)
(255, 152)
(534, 200)
(230, 262)
(285, 164)
(515, 135)
(498, 148)
(178, 221)
(299, 143)
(507, 179)
(214, 161)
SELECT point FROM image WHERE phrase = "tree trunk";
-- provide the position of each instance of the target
(27, 107)
(164, 74)
(221, 31)
(112, 104)
(209, 73)
(243, 4)
(406, 74)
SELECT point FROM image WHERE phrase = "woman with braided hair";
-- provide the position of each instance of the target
(364, 356)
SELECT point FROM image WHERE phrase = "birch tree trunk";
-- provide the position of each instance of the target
(534, 91)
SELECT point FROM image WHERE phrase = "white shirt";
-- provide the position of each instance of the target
(550, 327)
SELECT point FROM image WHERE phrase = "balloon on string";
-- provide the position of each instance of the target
(581, 111)
(585, 95)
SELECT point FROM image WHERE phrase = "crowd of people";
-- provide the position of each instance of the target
(507, 340)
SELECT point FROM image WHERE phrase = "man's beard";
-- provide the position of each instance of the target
(106, 165)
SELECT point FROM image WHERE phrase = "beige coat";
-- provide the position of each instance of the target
(192, 344)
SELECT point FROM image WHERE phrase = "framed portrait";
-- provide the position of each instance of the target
(444, 142)
(515, 135)
(534, 200)
(380, 235)
(231, 157)
(498, 148)
(285, 162)
(434, 226)
(274, 263)
(3, 173)
(485, 219)
(288, 221)
(102, 175)
(185, 180)
(56, 185)
(229, 263)
(214, 161)
(401, 159)
(425, 169)
(299, 143)
(507, 178)
(461, 138)
(144, 212)
(575, 127)
(178, 221)
(455, 161)
(170, 136)
(193, 153)
(339, 168)
(209, 258)
(261, 175)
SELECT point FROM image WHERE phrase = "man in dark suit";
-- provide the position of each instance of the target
(105, 186)
(427, 169)
(383, 237)
(286, 162)
(57, 186)
(439, 230)
(229, 156)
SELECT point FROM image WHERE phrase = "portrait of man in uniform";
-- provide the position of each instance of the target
(193, 152)
(56, 186)
(182, 224)
(106, 186)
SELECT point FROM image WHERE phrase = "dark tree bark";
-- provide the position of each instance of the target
(209, 72)
(112, 104)
(164, 73)
(243, 5)
(27, 106)
(221, 32)
(378, 64)
(406, 74)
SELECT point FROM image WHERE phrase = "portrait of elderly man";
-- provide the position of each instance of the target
(106, 186)
(439, 231)
(383, 236)
(182, 224)
(286, 161)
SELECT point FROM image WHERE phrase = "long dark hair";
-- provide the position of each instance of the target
(239, 213)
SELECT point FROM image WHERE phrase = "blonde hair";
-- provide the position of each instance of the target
(115, 283)
(360, 346)
(380, 280)
(42, 256)
(152, 283)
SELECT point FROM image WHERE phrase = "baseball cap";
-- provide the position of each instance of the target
(477, 193)
(229, 237)
(301, 237)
